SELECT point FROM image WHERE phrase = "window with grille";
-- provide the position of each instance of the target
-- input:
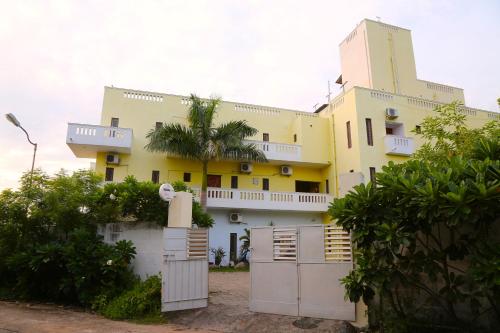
(372, 174)
(234, 181)
(109, 174)
(115, 230)
(265, 184)
(187, 177)
(155, 176)
(369, 132)
(349, 139)
(114, 122)
(265, 136)
(285, 244)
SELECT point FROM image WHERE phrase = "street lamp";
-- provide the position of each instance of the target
(10, 117)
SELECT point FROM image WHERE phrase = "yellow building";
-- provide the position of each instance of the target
(313, 157)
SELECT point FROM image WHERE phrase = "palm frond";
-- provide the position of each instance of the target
(201, 114)
(176, 139)
(233, 132)
(244, 152)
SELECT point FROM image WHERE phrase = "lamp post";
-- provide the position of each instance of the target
(10, 117)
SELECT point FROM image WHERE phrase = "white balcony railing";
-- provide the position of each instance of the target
(265, 200)
(87, 140)
(399, 145)
(279, 151)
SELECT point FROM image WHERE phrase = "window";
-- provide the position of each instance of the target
(187, 177)
(372, 174)
(418, 129)
(109, 174)
(158, 125)
(155, 176)
(349, 140)
(265, 137)
(327, 186)
(369, 131)
(114, 122)
(388, 131)
(265, 184)
(234, 181)
(295, 138)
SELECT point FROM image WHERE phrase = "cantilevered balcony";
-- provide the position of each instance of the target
(87, 140)
(279, 151)
(399, 145)
(266, 200)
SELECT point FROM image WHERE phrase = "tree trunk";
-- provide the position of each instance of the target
(203, 194)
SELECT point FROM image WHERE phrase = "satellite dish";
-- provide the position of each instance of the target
(167, 192)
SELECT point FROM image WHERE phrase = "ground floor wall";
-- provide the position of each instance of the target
(148, 238)
(220, 234)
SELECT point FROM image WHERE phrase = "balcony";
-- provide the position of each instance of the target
(265, 200)
(399, 145)
(279, 151)
(87, 140)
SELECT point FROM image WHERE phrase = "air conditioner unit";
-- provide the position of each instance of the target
(113, 159)
(246, 167)
(286, 170)
(235, 218)
(391, 113)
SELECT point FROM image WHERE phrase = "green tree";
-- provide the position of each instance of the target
(203, 141)
(447, 134)
(426, 236)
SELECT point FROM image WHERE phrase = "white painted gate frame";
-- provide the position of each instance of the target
(185, 268)
(304, 284)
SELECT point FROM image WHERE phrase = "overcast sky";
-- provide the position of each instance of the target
(56, 57)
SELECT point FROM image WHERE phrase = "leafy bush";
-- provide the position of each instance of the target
(143, 300)
(49, 248)
(139, 201)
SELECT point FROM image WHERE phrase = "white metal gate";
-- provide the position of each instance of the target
(185, 269)
(296, 271)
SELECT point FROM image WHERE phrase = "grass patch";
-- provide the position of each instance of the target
(229, 269)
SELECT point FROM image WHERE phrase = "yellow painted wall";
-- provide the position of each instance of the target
(380, 56)
(378, 69)
(142, 114)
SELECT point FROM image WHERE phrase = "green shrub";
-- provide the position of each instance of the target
(142, 301)
(219, 254)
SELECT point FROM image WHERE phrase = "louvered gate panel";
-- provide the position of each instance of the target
(197, 243)
(337, 244)
(285, 244)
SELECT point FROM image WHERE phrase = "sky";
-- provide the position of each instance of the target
(57, 56)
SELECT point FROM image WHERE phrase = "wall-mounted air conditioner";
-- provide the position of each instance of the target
(246, 167)
(286, 170)
(113, 159)
(391, 113)
(235, 218)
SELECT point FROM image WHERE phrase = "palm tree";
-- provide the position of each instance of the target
(245, 245)
(203, 142)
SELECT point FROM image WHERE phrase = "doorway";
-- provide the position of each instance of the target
(306, 187)
(233, 247)
(214, 180)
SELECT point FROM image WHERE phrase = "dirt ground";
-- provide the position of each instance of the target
(227, 312)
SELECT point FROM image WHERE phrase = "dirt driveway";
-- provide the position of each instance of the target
(227, 312)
